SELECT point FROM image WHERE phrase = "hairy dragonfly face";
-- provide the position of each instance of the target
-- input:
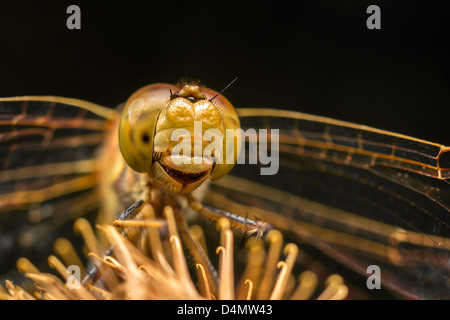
(360, 196)
(166, 135)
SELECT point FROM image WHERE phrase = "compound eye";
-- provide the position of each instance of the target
(137, 125)
(145, 138)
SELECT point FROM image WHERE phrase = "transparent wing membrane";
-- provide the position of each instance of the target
(345, 142)
(48, 152)
(362, 196)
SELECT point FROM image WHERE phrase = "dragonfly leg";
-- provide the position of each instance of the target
(93, 273)
(250, 227)
(128, 214)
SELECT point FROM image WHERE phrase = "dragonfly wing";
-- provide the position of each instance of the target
(48, 150)
(360, 195)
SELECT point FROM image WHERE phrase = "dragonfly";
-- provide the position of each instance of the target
(359, 195)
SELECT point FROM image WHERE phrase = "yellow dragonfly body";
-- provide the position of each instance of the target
(359, 195)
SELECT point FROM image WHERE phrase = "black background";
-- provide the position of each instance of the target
(314, 56)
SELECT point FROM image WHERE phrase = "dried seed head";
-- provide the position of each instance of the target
(157, 268)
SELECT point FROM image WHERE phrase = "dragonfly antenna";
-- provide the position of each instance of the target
(224, 89)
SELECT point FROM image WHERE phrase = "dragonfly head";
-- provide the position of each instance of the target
(178, 136)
